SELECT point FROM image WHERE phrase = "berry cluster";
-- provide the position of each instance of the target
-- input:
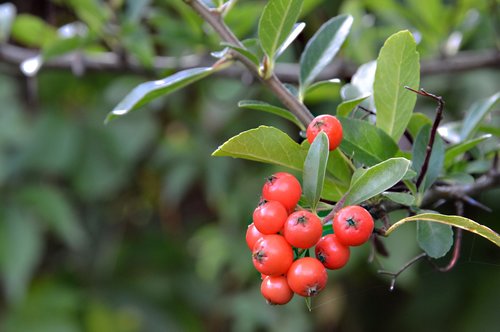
(280, 238)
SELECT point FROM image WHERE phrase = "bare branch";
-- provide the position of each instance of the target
(286, 72)
(458, 192)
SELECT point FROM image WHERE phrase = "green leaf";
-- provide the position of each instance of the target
(397, 66)
(264, 144)
(32, 31)
(347, 106)
(21, 248)
(314, 170)
(94, 13)
(361, 85)
(276, 24)
(322, 91)
(476, 114)
(400, 198)
(366, 143)
(434, 238)
(263, 106)
(376, 180)
(333, 190)
(7, 16)
(417, 121)
(55, 210)
(322, 48)
(339, 166)
(145, 92)
(297, 29)
(456, 150)
(457, 221)
(244, 51)
(436, 160)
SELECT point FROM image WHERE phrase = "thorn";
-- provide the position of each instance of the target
(473, 202)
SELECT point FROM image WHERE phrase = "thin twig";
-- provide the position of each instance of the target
(273, 82)
(437, 120)
(394, 275)
(335, 209)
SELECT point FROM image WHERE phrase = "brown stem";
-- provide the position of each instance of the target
(273, 82)
(437, 120)
(394, 275)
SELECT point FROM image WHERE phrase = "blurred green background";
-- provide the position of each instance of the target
(133, 226)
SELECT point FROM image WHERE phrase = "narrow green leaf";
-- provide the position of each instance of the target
(345, 108)
(457, 221)
(32, 31)
(276, 24)
(53, 208)
(243, 51)
(145, 92)
(263, 106)
(376, 180)
(7, 15)
(434, 238)
(476, 114)
(62, 46)
(297, 29)
(264, 144)
(436, 160)
(21, 249)
(322, 48)
(314, 170)
(458, 149)
(366, 143)
(400, 198)
(397, 66)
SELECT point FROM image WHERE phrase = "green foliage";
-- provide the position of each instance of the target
(376, 179)
(366, 143)
(276, 24)
(476, 114)
(314, 170)
(434, 238)
(456, 221)
(322, 48)
(397, 66)
(265, 107)
(264, 144)
(145, 92)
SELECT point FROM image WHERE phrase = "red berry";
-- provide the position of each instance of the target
(302, 229)
(272, 255)
(328, 124)
(275, 289)
(269, 217)
(353, 225)
(331, 252)
(284, 188)
(307, 276)
(252, 235)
